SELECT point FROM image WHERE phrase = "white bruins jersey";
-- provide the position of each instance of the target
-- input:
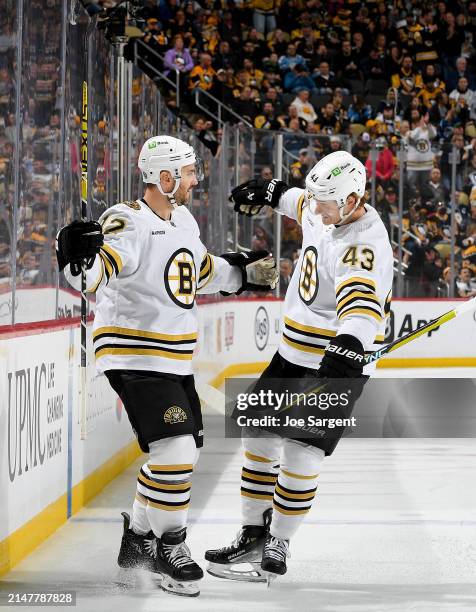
(342, 283)
(145, 279)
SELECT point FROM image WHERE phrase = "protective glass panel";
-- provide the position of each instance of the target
(40, 153)
(8, 153)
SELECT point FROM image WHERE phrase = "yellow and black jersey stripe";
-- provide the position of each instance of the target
(306, 337)
(300, 207)
(111, 265)
(123, 341)
(357, 295)
(206, 271)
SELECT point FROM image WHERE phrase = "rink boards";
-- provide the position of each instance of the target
(47, 472)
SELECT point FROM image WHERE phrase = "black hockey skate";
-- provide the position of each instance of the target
(174, 563)
(275, 552)
(137, 551)
(247, 548)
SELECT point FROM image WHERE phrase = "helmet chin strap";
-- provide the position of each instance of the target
(171, 194)
(343, 217)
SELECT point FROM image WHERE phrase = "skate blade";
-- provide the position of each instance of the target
(228, 572)
(183, 589)
(270, 577)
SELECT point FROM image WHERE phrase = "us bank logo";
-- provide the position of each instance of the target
(261, 328)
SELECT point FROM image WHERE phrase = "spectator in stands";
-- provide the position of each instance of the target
(393, 61)
(373, 66)
(439, 109)
(390, 199)
(346, 66)
(327, 120)
(465, 283)
(300, 168)
(225, 58)
(462, 91)
(285, 273)
(298, 79)
(432, 86)
(306, 45)
(271, 95)
(322, 55)
(361, 147)
(452, 37)
(267, 120)
(264, 14)
(335, 144)
(254, 77)
(431, 272)
(384, 164)
(294, 139)
(461, 70)
(304, 107)
(324, 79)
(387, 120)
(407, 81)
(266, 173)
(221, 91)
(384, 210)
(178, 58)
(202, 75)
(278, 42)
(291, 59)
(293, 114)
(359, 111)
(246, 105)
(433, 190)
(420, 154)
(230, 30)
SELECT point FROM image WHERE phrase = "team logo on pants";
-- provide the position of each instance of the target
(180, 278)
(174, 415)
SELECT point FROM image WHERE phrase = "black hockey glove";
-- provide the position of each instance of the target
(258, 270)
(249, 198)
(344, 358)
(78, 241)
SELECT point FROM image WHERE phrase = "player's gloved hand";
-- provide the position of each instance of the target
(344, 358)
(77, 242)
(249, 198)
(258, 270)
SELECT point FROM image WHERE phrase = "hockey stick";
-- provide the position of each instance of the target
(466, 306)
(216, 398)
(84, 217)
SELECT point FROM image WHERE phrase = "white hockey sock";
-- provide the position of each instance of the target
(295, 488)
(258, 478)
(164, 483)
(139, 521)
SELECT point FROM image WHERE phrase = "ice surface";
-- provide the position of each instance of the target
(393, 529)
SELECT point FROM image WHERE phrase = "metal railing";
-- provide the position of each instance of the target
(222, 108)
(158, 73)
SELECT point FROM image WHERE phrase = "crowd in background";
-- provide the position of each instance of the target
(327, 74)
(385, 75)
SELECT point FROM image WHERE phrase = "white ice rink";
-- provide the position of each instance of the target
(393, 528)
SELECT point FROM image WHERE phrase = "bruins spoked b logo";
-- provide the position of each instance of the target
(175, 414)
(308, 279)
(181, 279)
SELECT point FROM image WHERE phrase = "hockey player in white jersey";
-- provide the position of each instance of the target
(334, 311)
(146, 263)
